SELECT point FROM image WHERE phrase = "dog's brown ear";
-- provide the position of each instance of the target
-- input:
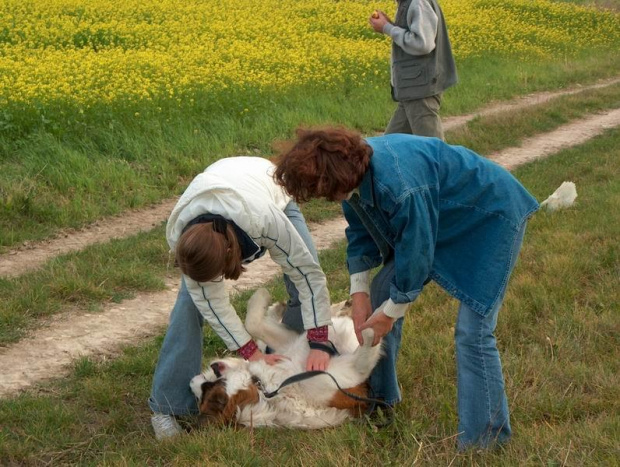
(213, 403)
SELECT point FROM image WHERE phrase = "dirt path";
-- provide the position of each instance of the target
(523, 102)
(68, 336)
(571, 134)
(31, 256)
(50, 350)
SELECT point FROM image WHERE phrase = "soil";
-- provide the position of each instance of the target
(50, 350)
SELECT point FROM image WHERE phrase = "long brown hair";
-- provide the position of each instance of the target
(323, 162)
(204, 254)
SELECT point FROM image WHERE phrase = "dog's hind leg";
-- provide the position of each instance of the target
(263, 327)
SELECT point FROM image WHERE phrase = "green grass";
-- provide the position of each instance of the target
(139, 263)
(558, 334)
(53, 180)
(84, 281)
(489, 134)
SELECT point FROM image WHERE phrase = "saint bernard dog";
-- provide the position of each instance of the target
(233, 390)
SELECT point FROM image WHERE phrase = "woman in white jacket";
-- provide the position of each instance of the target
(230, 215)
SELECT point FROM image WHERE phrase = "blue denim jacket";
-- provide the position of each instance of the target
(444, 213)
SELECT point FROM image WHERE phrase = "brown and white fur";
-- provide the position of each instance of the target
(230, 390)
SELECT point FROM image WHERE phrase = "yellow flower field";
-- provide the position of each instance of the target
(60, 56)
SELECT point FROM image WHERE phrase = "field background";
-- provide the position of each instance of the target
(107, 106)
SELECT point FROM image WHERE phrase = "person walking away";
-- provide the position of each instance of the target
(422, 65)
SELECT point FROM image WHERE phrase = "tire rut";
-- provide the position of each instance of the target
(51, 349)
(33, 255)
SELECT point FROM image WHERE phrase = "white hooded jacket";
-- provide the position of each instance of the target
(242, 189)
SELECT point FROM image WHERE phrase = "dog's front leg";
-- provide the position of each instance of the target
(366, 356)
(263, 327)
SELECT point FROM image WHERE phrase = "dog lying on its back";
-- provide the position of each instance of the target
(231, 390)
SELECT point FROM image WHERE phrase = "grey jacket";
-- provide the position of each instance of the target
(422, 65)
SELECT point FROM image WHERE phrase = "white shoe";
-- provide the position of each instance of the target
(165, 426)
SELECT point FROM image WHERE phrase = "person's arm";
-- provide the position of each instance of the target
(212, 300)
(415, 223)
(287, 248)
(362, 252)
(419, 37)
(362, 255)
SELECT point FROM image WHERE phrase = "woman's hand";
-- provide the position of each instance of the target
(270, 359)
(317, 360)
(380, 323)
(362, 309)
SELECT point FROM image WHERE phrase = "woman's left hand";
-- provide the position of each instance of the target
(380, 323)
(317, 360)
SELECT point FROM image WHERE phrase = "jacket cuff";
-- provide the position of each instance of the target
(319, 334)
(357, 264)
(395, 310)
(360, 282)
(387, 29)
(248, 350)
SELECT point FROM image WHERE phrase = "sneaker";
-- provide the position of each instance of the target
(165, 426)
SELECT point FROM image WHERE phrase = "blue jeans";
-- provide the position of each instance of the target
(180, 357)
(482, 406)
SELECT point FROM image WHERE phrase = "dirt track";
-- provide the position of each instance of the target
(49, 351)
(32, 256)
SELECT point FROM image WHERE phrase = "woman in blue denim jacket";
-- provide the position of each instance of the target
(426, 210)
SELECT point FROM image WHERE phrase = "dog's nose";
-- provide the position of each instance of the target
(216, 369)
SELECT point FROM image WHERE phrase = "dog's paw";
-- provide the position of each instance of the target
(260, 299)
(368, 336)
(276, 310)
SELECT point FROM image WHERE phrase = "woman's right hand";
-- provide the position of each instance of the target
(270, 359)
(362, 310)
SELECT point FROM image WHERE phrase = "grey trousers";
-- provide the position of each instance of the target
(418, 117)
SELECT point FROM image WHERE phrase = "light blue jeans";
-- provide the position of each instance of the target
(482, 406)
(180, 358)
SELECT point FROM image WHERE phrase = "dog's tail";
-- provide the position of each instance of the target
(563, 197)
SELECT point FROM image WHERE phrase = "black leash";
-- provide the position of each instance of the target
(311, 374)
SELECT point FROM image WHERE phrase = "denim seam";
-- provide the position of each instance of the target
(449, 287)
(484, 373)
(476, 208)
(381, 286)
(502, 289)
(405, 193)
(408, 190)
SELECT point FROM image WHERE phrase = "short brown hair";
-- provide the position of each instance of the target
(203, 253)
(322, 163)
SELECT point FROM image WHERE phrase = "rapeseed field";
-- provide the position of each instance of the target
(62, 61)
